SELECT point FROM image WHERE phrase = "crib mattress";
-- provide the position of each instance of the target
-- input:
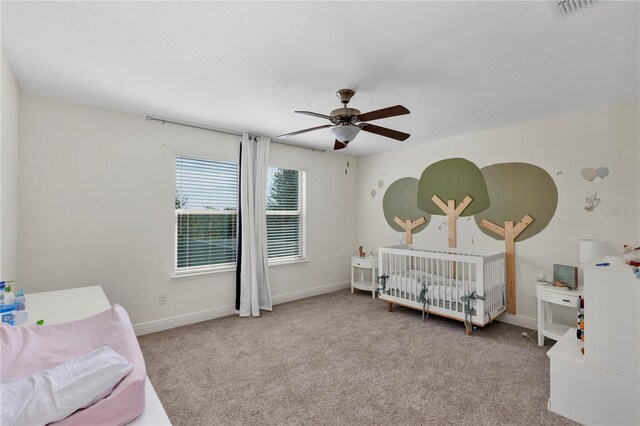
(439, 287)
(26, 350)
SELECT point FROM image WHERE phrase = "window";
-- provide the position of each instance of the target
(286, 214)
(206, 214)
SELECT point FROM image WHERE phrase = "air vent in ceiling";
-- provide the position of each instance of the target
(573, 7)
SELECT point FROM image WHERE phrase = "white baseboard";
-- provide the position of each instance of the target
(519, 320)
(223, 311)
(180, 320)
(309, 292)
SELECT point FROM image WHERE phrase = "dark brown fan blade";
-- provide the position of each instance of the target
(383, 131)
(339, 145)
(315, 114)
(383, 113)
(286, 135)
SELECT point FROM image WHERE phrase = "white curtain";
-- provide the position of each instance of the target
(255, 291)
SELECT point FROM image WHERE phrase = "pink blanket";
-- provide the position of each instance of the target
(29, 349)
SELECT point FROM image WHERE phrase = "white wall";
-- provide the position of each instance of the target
(97, 193)
(97, 207)
(563, 146)
(9, 150)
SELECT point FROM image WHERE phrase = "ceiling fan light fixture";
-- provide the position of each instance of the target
(345, 132)
(347, 122)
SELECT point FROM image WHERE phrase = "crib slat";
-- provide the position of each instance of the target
(416, 278)
(437, 277)
(452, 267)
(395, 273)
(431, 281)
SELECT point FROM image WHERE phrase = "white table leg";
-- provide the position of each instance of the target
(351, 278)
(541, 321)
(373, 283)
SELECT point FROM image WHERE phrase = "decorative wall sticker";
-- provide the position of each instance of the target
(455, 187)
(603, 172)
(592, 201)
(444, 223)
(400, 201)
(508, 201)
(380, 183)
(409, 225)
(524, 198)
(589, 173)
(373, 193)
(516, 190)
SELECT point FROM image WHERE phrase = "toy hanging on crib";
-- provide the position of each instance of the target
(382, 280)
(425, 301)
(466, 299)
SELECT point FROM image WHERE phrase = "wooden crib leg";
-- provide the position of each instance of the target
(467, 328)
(389, 307)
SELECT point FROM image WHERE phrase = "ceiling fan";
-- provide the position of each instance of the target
(347, 122)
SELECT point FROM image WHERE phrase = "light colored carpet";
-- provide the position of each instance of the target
(342, 359)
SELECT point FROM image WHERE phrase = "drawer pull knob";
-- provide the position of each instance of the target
(566, 300)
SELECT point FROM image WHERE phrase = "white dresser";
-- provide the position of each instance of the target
(603, 385)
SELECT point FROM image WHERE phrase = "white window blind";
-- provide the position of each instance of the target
(206, 214)
(206, 208)
(286, 219)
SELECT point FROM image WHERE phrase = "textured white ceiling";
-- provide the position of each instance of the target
(458, 66)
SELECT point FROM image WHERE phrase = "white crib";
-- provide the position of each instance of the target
(434, 279)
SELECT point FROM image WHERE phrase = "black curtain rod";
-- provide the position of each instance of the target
(226, 132)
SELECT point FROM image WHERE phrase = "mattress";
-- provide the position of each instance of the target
(439, 287)
(26, 350)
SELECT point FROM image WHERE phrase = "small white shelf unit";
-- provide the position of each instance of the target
(548, 294)
(358, 267)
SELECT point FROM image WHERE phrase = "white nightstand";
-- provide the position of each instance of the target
(547, 293)
(362, 263)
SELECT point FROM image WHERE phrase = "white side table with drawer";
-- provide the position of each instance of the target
(546, 294)
(362, 263)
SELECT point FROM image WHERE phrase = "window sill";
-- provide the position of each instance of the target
(279, 263)
(228, 269)
(187, 275)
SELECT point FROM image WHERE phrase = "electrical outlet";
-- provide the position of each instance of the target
(162, 299)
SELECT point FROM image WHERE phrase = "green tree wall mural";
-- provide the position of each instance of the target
(509, 201)
(401, 209)
(524, 198)
(455, 187)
